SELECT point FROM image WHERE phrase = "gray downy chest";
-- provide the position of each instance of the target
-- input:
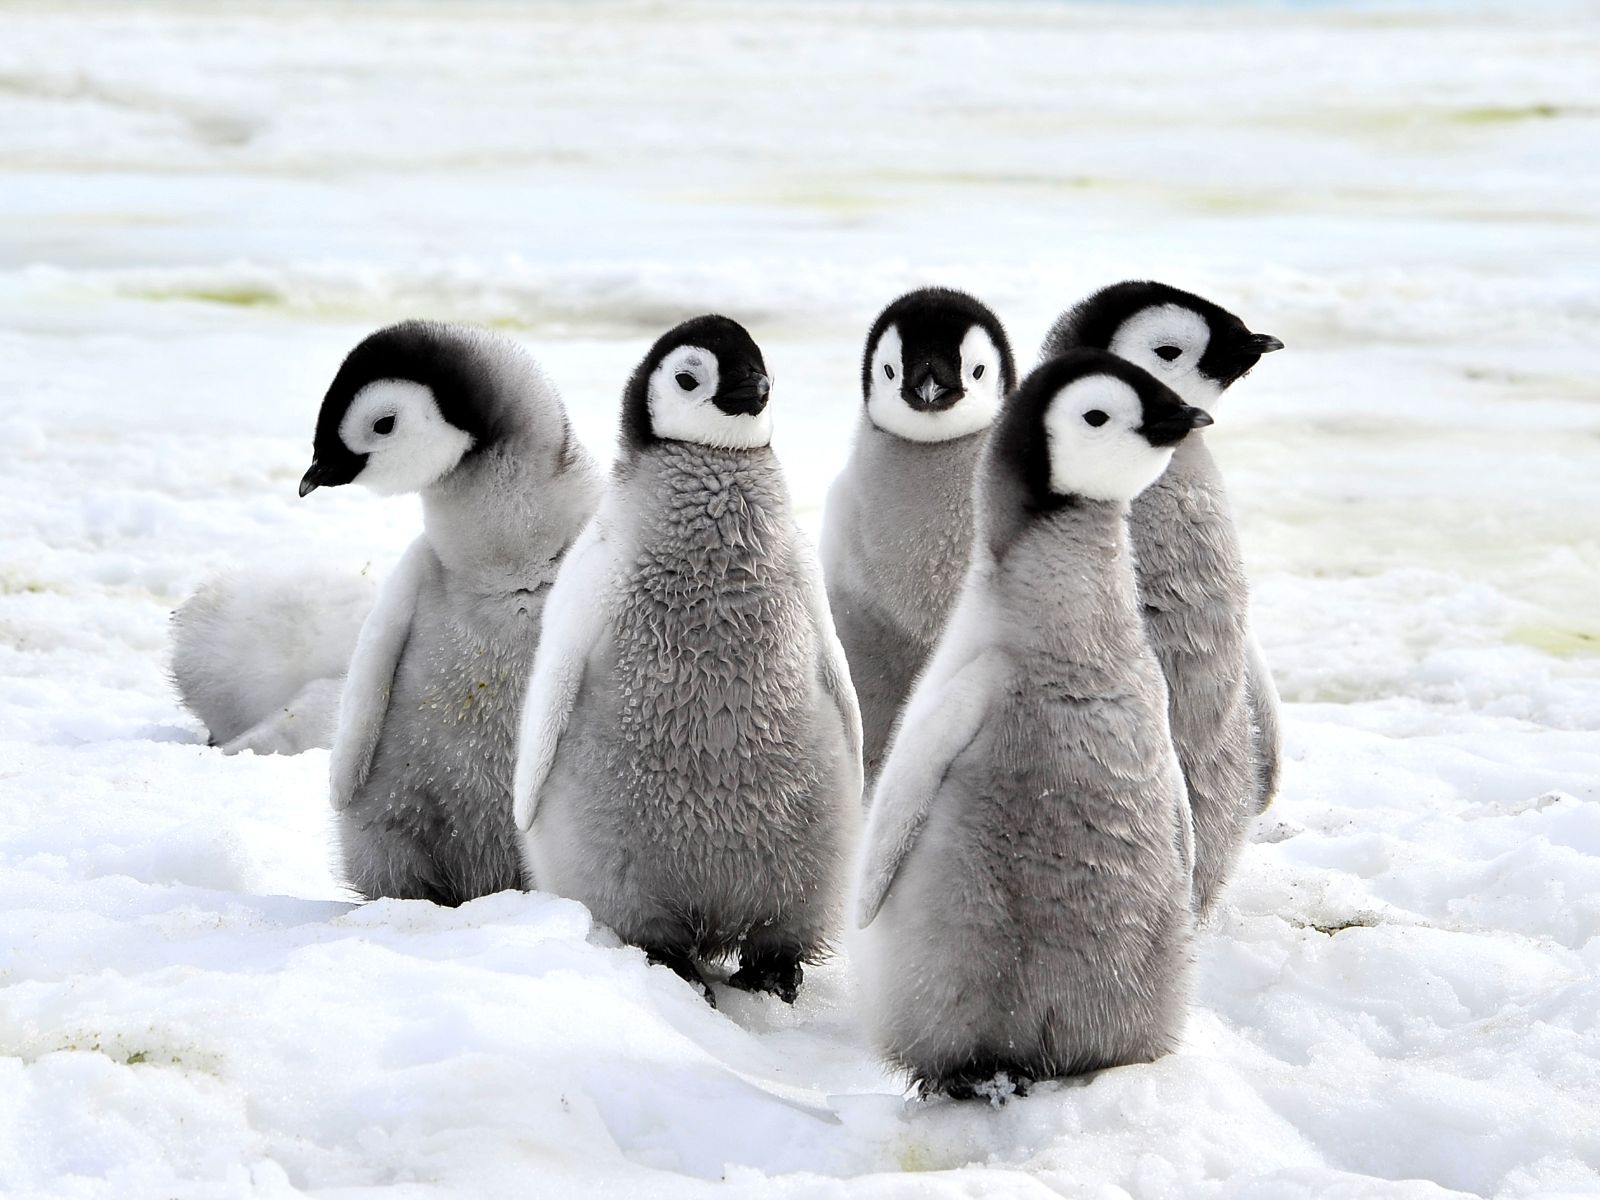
(461, 682)
(712, 653)
(914, 526)
(1192, 585)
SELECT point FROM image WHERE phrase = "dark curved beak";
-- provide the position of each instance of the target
(1264, 343)
(1172, 429)
(315, 477)
(745, 398)
(925, 391)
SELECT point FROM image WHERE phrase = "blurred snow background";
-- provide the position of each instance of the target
(202, 209)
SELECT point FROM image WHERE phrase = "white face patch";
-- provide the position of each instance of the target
(980, 376)
(408, 443)
(1148, 339)
(682, 413)
(1101, 459)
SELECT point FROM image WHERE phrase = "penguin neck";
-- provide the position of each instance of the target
(500, 521)
(1190, 490)
(1075, 561)
(729, 500)
(874, 446)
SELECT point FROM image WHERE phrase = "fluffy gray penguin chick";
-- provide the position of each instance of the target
(690, 761)
(259, 654)
(1025, 892)
(426, 743)
(898, 526)
(1192, 582)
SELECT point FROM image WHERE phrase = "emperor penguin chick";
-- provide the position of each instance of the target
(1024, 892)
(690, 762)
(259, 654)
(426, 742)
(1192, 582)
(898, 526)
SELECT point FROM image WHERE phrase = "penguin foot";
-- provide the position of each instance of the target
(683, 966)
(996, 1087)
(779, 973)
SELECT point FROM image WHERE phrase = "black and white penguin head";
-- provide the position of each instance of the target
(1195, 347)
(704, 382)
(408, 404)
(937, 366)
(1090, 425)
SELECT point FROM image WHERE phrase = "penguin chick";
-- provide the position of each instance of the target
(259, 655)
(690, 758)
(1024, 892)
(897, 530)
(1191, 574)
(426, 742)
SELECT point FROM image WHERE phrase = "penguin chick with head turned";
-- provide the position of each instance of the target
(1024, 894)
(690, 762)
(1192, 583)
(426, 742)
(259, 654)
(898, 526)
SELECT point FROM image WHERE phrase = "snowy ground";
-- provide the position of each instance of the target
(199, 213)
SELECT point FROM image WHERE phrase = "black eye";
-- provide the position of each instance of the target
(888, 370)
(1168, 352)
(977, 371)
(383, 425)
(1095, 417)
(687, 381)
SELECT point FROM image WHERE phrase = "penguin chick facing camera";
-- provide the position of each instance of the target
(1192, 583)
(1024, 894)
(897, 529)
(426, 741)
(690, 762)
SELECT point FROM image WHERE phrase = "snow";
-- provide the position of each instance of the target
(204, 209)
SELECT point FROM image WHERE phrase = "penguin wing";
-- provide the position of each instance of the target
(832, 666)
(1264, 703)
(365, 700)
(577, 613)
(942, 718)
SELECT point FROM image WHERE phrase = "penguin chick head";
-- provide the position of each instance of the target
(1195, 347)
(704, 382)
(937, 366)
(1090, 425)
(406, 406)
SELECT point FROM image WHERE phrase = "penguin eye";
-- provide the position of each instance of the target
(1095, 417)
(383, 425)
(977, 371)
(888, 370)
(687, 381)
(1168, 353)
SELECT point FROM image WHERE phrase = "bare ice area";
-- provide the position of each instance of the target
(202, 210)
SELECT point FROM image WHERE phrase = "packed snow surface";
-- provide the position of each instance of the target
(201, 210)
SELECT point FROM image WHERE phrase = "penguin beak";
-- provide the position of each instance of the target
(1264, 343)
(315, 477)
(746, 398)
(925, 393)
(1173, 429)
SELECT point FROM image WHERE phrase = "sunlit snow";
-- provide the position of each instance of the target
(201, 211)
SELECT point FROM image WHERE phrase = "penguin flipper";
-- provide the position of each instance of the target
(940, 721)
(577, 613)
(364, 703)
(1263, 693)
(833, 668)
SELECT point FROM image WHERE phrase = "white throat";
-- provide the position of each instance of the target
(1109, 460)
(409, 445)
(682, 413)
(981, 377)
